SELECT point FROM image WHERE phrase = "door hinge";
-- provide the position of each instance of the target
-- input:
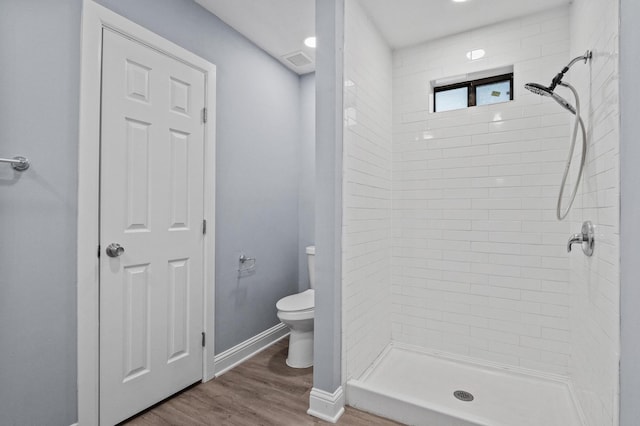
(98, 250)
(203, 339)
(204, 226)
(204, 115)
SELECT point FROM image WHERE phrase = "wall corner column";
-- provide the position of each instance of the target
(327, 397)
(629, 213)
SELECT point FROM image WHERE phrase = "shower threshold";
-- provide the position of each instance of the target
(417, 387)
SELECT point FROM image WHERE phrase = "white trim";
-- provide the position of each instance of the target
(94, 19)
(210, 216)
(238, 354)
(326, 406)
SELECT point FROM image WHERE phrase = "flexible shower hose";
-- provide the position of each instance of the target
(577, 122)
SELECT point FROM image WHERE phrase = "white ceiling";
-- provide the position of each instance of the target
(280, 26)
(407, 22)
(277, 26)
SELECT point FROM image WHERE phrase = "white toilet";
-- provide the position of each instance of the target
(296, 312)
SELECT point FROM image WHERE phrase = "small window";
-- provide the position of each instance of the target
(452, 99)
(484, 91)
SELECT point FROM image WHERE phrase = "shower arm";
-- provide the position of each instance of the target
(558, 78)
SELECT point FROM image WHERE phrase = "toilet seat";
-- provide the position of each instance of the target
(297, 302)
(296, 316)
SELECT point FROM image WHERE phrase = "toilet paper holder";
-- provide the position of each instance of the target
(246, 264)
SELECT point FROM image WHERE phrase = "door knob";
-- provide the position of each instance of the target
(114, 250)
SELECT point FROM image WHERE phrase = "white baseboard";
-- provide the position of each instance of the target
(326, 406)
(230, 358)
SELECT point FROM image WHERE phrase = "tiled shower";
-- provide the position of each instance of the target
(450, 241)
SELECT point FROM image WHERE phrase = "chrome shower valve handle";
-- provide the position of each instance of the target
(586, 238)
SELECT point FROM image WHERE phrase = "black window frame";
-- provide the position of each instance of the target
(471, 86)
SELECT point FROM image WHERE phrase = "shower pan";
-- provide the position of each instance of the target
(418, 387)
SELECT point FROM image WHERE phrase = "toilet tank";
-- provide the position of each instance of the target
(311, 263)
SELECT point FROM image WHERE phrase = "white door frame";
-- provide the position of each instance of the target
(94, 19)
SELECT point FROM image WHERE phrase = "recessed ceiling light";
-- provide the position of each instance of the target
(459, 1)
(310, 42)
(475, 54)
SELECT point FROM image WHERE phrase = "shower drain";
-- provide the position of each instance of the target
(463, 395)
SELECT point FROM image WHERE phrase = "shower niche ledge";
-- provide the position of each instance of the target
(416, 386)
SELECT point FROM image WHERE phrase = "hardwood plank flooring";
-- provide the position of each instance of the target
(261, 391)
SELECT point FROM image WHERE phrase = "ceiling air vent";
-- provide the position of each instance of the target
(299, 59)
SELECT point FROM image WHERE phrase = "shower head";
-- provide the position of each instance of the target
(538, 89)
(562, 101)
(541, 90)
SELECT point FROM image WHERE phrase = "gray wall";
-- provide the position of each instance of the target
(307, 195)
(257, 189)
(629, 213)
(328, 297)
(39, 75)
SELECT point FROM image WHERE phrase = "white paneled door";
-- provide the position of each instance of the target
(151, 206)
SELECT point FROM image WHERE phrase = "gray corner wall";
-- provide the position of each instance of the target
(258, 133)
(307, 177)
(629, 213)
(328, 221)
(39, 89)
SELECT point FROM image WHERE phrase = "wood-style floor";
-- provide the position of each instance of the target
(261, 391)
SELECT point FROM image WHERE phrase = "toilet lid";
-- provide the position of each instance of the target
(297, 302)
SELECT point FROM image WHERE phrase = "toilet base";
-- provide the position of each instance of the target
(300, 349)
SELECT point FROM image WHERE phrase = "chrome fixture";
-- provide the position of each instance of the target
(18, 163)
(114, 250)
(539, 89)
(247, 264)
(586, 238)
(542, 90)
(244, 259)
(463, 395)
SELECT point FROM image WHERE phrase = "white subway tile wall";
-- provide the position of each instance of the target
(367, 166)
(479, 264)
(594, 281)
(460, 207)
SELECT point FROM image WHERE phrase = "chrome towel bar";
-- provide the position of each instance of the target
(18, 163)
